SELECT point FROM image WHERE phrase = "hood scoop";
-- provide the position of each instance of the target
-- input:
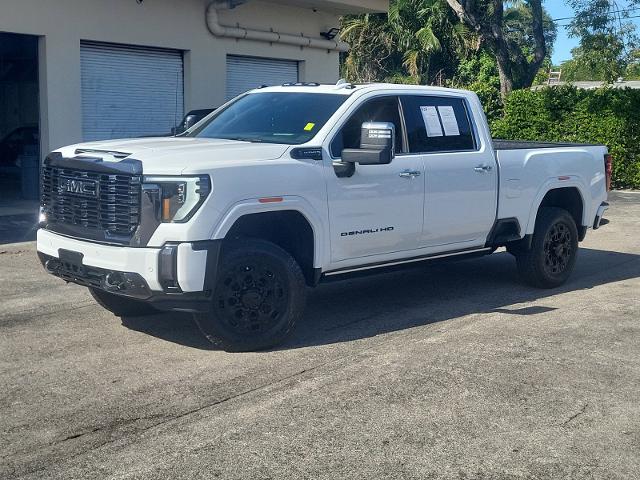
(111, 153)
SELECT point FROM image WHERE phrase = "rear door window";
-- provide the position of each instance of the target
(437, 124)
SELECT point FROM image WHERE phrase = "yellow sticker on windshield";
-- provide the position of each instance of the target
(309, 126)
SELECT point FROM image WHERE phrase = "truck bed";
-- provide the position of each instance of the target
(499, 144)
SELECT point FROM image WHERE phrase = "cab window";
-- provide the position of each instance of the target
(437, 124)
(380, 109)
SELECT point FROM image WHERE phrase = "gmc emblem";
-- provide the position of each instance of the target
(87, 188)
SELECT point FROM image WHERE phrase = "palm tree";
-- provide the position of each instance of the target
(371, 46)
(417, 36)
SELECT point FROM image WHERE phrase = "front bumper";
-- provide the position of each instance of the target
(176, 277)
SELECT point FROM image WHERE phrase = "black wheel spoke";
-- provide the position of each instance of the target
(251, 298)
(557, 248)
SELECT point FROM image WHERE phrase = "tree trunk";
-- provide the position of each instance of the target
(540, 51)
(489, 29)
(504, 72)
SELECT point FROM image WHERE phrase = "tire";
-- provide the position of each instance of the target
(259, 296)
(121, 306)
(554, 247)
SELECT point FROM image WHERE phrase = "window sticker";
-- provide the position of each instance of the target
(309, 126)
(431, 121)
(449, 121)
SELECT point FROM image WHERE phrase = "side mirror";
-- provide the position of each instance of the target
(377, 145)
(189, 122)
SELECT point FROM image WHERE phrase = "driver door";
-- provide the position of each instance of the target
(378, 209)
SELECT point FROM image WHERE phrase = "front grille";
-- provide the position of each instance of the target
(94, 205)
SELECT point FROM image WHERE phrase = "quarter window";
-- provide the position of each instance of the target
(437, 124)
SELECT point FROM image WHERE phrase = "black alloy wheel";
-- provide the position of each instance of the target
(260, 294)
(554, 247)
(558, 249)
(251, 297)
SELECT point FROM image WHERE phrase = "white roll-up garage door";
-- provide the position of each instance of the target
(247, 73)
(130, 91)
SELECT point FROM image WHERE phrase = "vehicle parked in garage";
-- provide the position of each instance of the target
(284, 187)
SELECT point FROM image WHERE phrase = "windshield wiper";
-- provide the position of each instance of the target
(244, 139)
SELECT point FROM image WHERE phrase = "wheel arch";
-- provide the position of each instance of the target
(292, 228)
(569, 196)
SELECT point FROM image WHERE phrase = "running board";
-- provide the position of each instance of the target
(393, 263)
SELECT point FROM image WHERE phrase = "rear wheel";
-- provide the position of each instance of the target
(554, 247)
(121, 306)
(259, 295)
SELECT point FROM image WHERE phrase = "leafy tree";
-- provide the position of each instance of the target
(518, 63)
(371, 47)
(607, 40)
(424, 41)
(417, 41)
(481, 68)
(633, 66)
(599, 58)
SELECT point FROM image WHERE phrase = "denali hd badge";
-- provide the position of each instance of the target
(87, 188)
(366, 230)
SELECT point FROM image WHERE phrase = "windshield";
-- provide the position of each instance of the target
(282, 117)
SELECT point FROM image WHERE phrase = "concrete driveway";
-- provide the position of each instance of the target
(443, 371)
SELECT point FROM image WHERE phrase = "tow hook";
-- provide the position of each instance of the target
(115, 281)
(52, 265)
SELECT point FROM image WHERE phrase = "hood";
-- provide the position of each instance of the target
(176, 155)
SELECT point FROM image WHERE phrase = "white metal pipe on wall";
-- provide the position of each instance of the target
(301, 40)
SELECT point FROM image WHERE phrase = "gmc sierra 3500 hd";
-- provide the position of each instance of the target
(283, 187)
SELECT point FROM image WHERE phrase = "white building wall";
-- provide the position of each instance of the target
(62, 24)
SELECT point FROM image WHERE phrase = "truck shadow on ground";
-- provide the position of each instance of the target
(364, 307)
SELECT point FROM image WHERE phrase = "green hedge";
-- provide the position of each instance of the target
(606, 115)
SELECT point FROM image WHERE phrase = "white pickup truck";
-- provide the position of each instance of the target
(284, 187)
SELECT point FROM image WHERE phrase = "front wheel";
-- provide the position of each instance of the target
(554, 247)
(259, 295)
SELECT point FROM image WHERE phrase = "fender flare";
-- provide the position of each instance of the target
(289, 202)
(554, 183)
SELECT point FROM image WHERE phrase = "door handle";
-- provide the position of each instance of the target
(483, 168)
(409, 173)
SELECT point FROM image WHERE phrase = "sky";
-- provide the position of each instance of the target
(564, 44)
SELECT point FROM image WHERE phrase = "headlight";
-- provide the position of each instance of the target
(179, 197)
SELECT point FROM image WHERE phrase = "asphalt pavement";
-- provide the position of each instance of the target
(452, 370)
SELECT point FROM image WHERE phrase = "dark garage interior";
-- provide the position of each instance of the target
(19, 136)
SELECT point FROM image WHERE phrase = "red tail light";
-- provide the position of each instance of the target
(608, 167)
